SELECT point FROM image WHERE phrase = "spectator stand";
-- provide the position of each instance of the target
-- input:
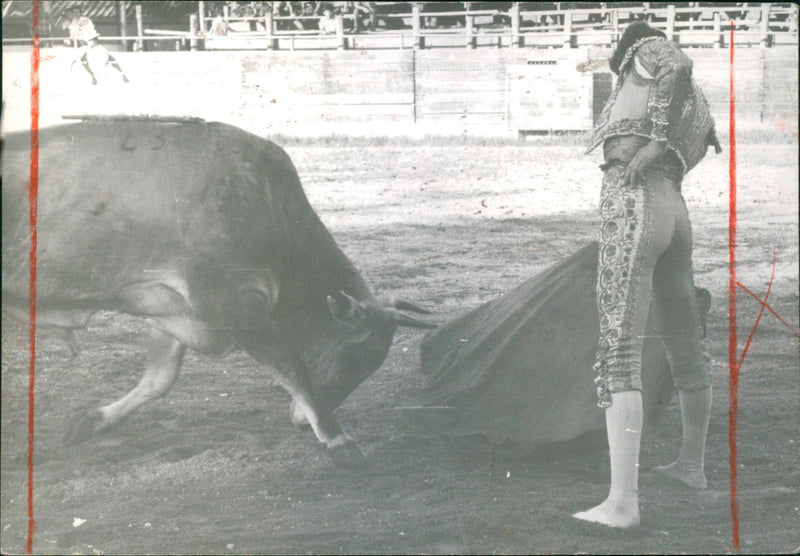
(259, 25)
(107, 17)
(122, 25)
(505, 24)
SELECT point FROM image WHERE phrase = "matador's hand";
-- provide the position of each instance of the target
(634, 173)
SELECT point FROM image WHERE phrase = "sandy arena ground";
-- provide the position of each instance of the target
(216, 467)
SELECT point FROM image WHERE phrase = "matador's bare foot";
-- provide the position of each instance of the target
(689, 474)
(612, 514)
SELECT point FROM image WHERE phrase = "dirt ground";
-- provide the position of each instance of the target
(216, 467)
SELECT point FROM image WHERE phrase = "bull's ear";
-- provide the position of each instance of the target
(348, 311)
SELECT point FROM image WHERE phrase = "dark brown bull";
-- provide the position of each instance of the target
(205, 231)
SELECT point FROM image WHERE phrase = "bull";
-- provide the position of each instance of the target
(203, 230)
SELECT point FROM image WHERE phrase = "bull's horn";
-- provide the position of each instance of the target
(348, 312)
(404, 305)
(401, 319)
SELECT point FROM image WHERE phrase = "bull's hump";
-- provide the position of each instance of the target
(185, 158)
(159, 171)
(137, 194)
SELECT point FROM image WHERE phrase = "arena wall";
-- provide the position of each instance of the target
(382, 92)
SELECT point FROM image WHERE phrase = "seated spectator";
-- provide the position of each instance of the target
(282, 9)
(594, 18)
(386, 14)
(442, 21)
(364, 16)
(327, 23)
(247, 10)
(346, 9)
(542, 20)
(309, 10)
(289, 9)
(219, 27)
(262, 7)
(258, 11)
(500, 18)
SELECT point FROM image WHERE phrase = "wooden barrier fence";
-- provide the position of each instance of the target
(384, 92)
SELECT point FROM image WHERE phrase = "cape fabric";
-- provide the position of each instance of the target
(519, 368)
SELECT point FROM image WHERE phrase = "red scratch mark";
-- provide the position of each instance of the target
(758, 318)
(733, 385)
(33, 200)
(770, 309)
(786, 127)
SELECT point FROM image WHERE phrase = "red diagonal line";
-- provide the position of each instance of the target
(760, 312)
(770, 309)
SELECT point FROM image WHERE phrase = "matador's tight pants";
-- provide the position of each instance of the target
(645, 252)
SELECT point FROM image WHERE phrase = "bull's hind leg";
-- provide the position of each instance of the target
(164, 357)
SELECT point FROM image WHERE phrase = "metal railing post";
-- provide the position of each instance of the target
(272, 43)
(123, 24)
(341, 42)
(764, 38)
(567, 29)
(614, 27)
(468, 26)
(514, 13)
(718, 38)
(670, 22)
(201, 12)
(193, 32)
(139, 28)
(415, 24)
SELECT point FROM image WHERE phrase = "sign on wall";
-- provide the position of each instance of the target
(553, 95)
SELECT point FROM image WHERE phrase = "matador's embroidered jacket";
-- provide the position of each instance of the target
(659, 100)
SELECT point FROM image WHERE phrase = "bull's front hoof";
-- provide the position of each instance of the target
(83, 427)
(346, 454)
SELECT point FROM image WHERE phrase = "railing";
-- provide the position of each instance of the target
(764, 24)
(179, 40)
